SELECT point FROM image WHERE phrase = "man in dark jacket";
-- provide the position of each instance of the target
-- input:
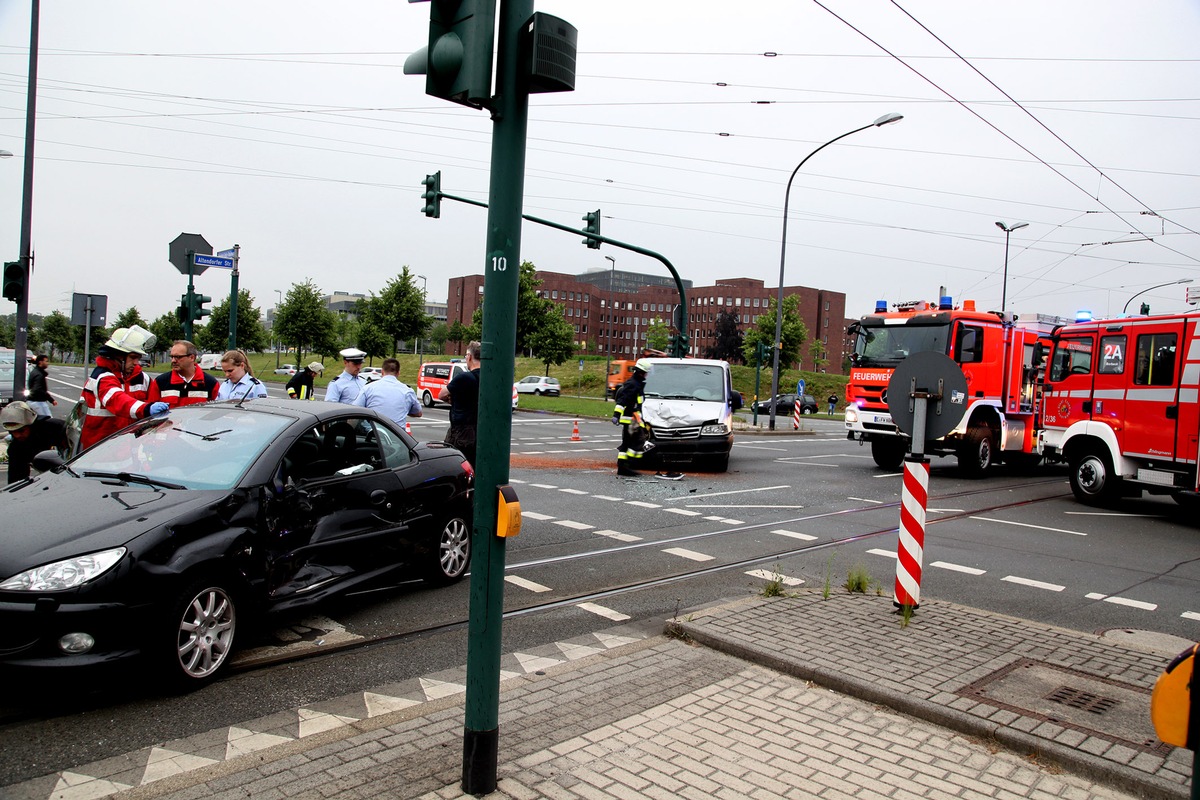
(38, 396)
(31, 435)
(300, 387)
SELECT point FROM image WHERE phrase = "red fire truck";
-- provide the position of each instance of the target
(1120, 406)
(996, 353)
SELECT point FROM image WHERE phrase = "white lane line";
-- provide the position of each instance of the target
(943, 511)
(543, 486)
(732, 522)
(609, 497)
(864, 499)
(1122, 601)
(525, 584)
(737, 505)
(1095, 596)
(804, 537)
(1110, 514)
(760, 447)
(1051, 587)
(767, 575)
(889, 475)
(683, 512)
(1027, 525)
(607, 613)
(577, 526)
(514, 480)
(958, 568)
(794, 462)
(714, 519)
(574, 491)
(1190, 615)
(691, 555)
(886, 553)
(738, 491)
(642, 504)
(535, 515)
(532, 453)
(620, 537)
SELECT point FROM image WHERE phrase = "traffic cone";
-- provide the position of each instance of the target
(575, 433)
(407, 428)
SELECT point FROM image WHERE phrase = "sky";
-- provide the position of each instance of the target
(287, 127)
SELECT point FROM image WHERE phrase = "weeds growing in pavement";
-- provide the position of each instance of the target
(906, 612)
(858, 580)
(828, 574)
(774, 587)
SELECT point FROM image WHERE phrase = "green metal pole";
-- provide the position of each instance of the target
(502, 268)
(233, 301)
(190, 302)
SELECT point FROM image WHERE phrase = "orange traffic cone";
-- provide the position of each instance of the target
(575, 433)
(407, 428)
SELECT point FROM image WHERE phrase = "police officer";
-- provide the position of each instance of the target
(239, 384)
(346, 388)
(389, 396)
(300, 387)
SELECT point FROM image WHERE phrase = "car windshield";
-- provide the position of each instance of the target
(686, 382)
(190, 449)
(552, 381)
(888, 344)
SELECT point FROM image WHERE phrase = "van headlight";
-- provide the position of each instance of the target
(63, 575)
(718, 429)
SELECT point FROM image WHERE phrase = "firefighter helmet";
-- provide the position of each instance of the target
(134, 339)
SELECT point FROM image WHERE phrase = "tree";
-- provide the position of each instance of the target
(793, 334)
(130, 317)
(658, 334)
(303, 321)
(728, 340)
(214, 337)
(820, 358)
(399, 310)
(554, 340)
(58, 334)
(167, 330)
(437, 335)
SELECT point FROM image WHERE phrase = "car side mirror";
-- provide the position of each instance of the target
(47, 460)
(736, 401)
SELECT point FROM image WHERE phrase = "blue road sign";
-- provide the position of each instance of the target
(212, 261)
(800, 386)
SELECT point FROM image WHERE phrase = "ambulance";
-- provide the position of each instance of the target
(1120, 407)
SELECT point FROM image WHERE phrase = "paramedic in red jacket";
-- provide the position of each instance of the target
(186, 384)
(116, 393)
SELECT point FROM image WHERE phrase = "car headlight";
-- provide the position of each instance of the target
(720, 429)
(851, 414)
(63, 575)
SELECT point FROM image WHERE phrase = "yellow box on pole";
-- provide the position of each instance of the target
(508, 513)
(1171, 703)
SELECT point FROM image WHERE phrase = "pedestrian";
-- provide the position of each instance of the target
(30, 434)
(390, 396)
(300, 387)
(38, 396)
(635, 433)
(239, 383)
(116, 394)
(345, 388)
(462, 393)
(185, 384)
(832, 403)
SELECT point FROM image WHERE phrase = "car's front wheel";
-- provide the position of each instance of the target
(199, 633)
(449, 559)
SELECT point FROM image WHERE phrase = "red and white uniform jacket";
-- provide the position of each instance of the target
(172, 389)
(112, 401)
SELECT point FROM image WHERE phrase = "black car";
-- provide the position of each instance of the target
(786, 404)
(164, 539)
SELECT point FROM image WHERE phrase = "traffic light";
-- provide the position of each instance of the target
(679, 347)
(198, 309)
(182, 312)
(14, 281)
(459, 55)
(1145, 309)
(760, 353)
(433, 194)
(592, 218)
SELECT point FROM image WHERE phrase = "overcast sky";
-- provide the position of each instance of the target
(287, 127)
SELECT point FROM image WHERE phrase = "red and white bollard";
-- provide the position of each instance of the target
(910, 549)
(796, 415)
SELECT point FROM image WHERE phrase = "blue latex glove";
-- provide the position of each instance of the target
(159, 408)
(616, 419)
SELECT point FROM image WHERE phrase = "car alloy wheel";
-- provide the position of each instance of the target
(205, 623)
(453, 554)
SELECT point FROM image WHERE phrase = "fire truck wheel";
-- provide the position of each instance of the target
(888, 453)
(1092, 480)
(978, 451)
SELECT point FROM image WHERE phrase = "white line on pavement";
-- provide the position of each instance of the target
(889, 475)
(609, 497)
(691, 555)
(543, 486)
(607, 613)
(577, 526)
(804, 537)
(535, 515)
(864, 499)
(682, 511)
(620, 537)
(1190, 615)
(737, 505)
(526, 584)
(738, 491)
(1028, 525)
(760, 447)
(1110, 514)
(1053, 587)
(573, 491)
(642, 504)
(767, 575)
(958, 568)
(794, 462)
(886, 553)
(1122, 601)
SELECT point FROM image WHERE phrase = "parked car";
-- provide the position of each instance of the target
(371, 374)
(201, 520)
(286, 369)
(538, 384)
(786, 404)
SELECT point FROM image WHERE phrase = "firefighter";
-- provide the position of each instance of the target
(635, 435)
(300, 387)
(116, 393)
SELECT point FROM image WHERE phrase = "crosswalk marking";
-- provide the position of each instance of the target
(804, 537)
(768, 575)
(691, 555)
(958, 568)
(620, 537)
(573, 525)
(607, 613)
(1052, 587)
(516, 580)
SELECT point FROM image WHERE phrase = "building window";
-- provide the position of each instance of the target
(554, 294)
(645, 307)
(756, 302)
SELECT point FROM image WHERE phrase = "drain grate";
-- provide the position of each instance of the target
(1090, 702)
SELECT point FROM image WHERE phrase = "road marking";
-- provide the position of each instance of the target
(1110, 514)
(1190, 615)
(864, 499)
(535, 515)
(514, 480)
(683, 511)
(738, 505)
(738, 491)
(525, 584)
(533, 453)
(573, 491)
(609, 497)
(714, 519)
(1027, 525)
(943, 511)
(958, 568)
(578, 526)
(887, 553)
(691, 555)
(1052, 587)
(642, 504)
(767, 575)
(804, 537)
(1122, 601)
(760, 447)
(791, 462)
(542, 486)
(620, 537)
(732, 521)
(889, 475)
(607, 613)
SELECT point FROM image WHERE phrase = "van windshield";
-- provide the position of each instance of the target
(702, 382)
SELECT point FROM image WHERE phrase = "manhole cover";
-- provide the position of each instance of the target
(1095, 706)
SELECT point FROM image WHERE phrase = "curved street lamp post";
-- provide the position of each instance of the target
(886, 119)
(1004, 281)
(1152, 288)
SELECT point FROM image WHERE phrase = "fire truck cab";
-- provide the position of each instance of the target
(997, 358)
(1120, 406)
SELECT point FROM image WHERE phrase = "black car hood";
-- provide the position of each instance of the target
(57, 516)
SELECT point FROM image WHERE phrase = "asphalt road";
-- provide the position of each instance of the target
(1012, 543)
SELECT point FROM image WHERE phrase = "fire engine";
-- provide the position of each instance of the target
(1120, 406)
(996, 353)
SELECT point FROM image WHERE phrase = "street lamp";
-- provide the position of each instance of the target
(6, 154)
(1008, 229)
(1152, 288)
(274, 322)
(612, 276)
(421, 354)
(886, 119)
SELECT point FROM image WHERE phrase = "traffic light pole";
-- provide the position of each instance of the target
(26, 257)
(233, 300)
(680, 312)
(190, 302)
(502, 269)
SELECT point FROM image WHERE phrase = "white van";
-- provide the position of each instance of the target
(689, 405)
(210, 361)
